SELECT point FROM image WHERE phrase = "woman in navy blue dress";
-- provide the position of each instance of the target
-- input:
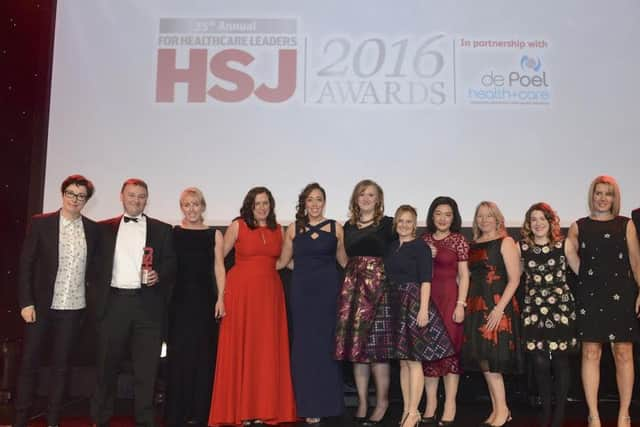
(315, 243)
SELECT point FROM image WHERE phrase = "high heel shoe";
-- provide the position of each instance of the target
(369, 422)
(505, 423)
(429, 421)
(443, 423)
(417, 421)
(404, 417)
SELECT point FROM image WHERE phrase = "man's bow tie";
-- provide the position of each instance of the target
(128, 218)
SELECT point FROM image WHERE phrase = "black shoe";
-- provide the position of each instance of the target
(359, 420)
(443, 423)
(370, 423)
(429, 421)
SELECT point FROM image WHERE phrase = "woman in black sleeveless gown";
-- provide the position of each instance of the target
(194, 308)
(607, 298)
(315, 244)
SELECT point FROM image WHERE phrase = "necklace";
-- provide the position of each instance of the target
(369, 221)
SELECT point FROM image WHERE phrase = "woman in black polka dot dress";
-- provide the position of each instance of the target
(607, 300)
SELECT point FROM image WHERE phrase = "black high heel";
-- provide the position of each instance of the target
(443, 423)
(369, 422)
(431, 421)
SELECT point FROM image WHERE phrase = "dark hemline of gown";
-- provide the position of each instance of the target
(193, 331)
(498, 349)
(364, 330)
(606, 290)
(317, 377)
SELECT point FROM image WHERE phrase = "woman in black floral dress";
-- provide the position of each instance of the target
(548, 311)
(492, 320)
(607, 300)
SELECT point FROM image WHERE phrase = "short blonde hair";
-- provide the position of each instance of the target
(194, 192)
(404, 209)
(613, 185)
(354, 209)
(493, 211)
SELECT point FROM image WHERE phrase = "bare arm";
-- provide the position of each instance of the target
(287, 247)
(571, 252)
(463, 289)
(511, 259)
(219, 272)
(634, 257)
(341, 253)
(230, 237)
(423, 313)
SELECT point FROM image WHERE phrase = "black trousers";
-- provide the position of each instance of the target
(124, 322)
(60, 328)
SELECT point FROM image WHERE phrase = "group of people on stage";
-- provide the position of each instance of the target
(437, 303)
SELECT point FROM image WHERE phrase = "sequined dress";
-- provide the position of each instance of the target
(606, 291)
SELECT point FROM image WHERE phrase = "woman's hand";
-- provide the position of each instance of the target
(494, 317)
(219, 309)
(458, 314)
(423, 317)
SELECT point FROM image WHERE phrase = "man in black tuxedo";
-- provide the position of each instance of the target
(128, 311)
(57, 257)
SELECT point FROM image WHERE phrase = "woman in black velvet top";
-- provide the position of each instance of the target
(363, 329)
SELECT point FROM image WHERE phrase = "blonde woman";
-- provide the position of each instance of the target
(419, 333)
(607, 299)
(196, 303)
(492, 321)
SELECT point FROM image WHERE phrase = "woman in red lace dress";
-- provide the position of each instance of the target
(449, 293)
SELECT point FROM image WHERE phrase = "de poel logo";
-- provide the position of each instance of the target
(226, 60)
(526, 83)
(530, 63)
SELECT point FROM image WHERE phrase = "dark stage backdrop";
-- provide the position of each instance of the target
(26, 44)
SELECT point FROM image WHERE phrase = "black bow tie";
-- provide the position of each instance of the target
(128, 218)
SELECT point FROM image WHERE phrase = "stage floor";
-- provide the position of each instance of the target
(471, 414)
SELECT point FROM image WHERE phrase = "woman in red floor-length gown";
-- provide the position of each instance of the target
(253, 375)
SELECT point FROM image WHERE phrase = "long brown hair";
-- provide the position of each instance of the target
(354, 209)
(554, 234)
(246, 211)
(301, 212)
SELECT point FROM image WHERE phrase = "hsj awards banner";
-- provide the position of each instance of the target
(272, 60)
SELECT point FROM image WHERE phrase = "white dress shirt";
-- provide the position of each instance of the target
(127, 260)
(69, 287)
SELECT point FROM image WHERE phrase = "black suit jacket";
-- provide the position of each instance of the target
(39, 259)
(155, 298)
(635, 216)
